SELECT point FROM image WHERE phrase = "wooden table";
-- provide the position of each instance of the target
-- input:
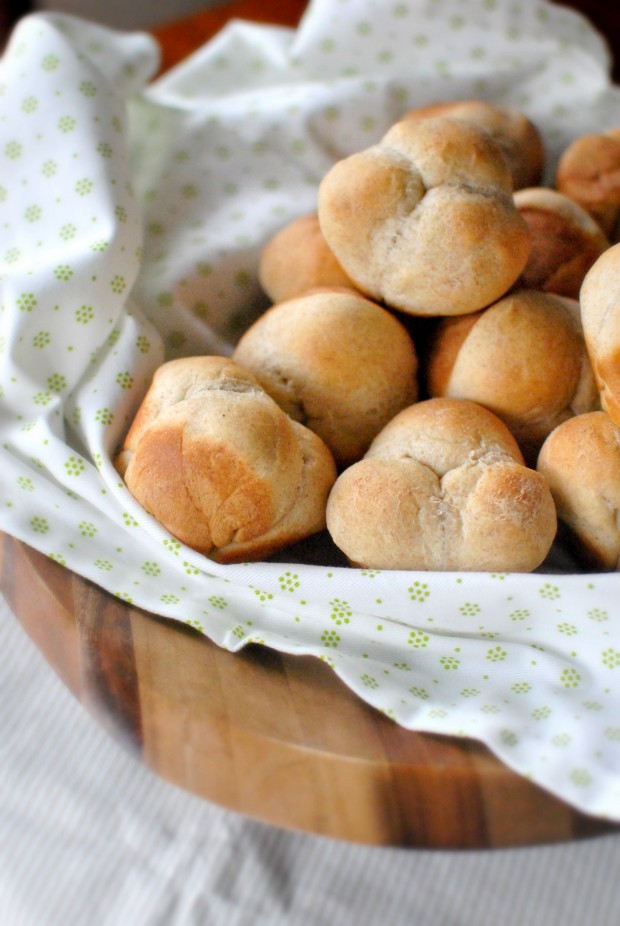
(203, 718)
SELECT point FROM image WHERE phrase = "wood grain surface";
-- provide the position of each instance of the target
(276, 737)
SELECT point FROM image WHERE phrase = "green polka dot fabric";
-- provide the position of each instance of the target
(132, 214)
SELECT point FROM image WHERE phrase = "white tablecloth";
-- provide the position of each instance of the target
(89, 836)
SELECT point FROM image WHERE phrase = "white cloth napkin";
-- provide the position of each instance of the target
(132, 217)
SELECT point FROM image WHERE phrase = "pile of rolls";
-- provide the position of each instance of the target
(436, 383)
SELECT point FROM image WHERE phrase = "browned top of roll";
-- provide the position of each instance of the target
(566, 241)
(524, 358)
(443, 487)
(517, 137)
(335, 361)
(589, 172)
(581, 463)
(297, 259)
(425, 220)
(600, 315)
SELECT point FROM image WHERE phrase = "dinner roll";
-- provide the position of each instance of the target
(443, 487)
(566, 241)
(213, 458)
(424, 220)
(581, 462)
(335, 361)
(515, 135)
(297, 259)
(589, 172)
(524, 358)
(600, 316)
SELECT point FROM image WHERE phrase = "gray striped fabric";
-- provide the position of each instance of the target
(89, 836)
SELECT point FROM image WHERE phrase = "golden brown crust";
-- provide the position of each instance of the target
(335, 361)
(524, 358)
(589, 173)
(600, 314)
(566, 241)
(218, 463)
(297, 259)
(516, 136)
(424, 221)
(443, 487)
(581, 462)
(444, 347)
